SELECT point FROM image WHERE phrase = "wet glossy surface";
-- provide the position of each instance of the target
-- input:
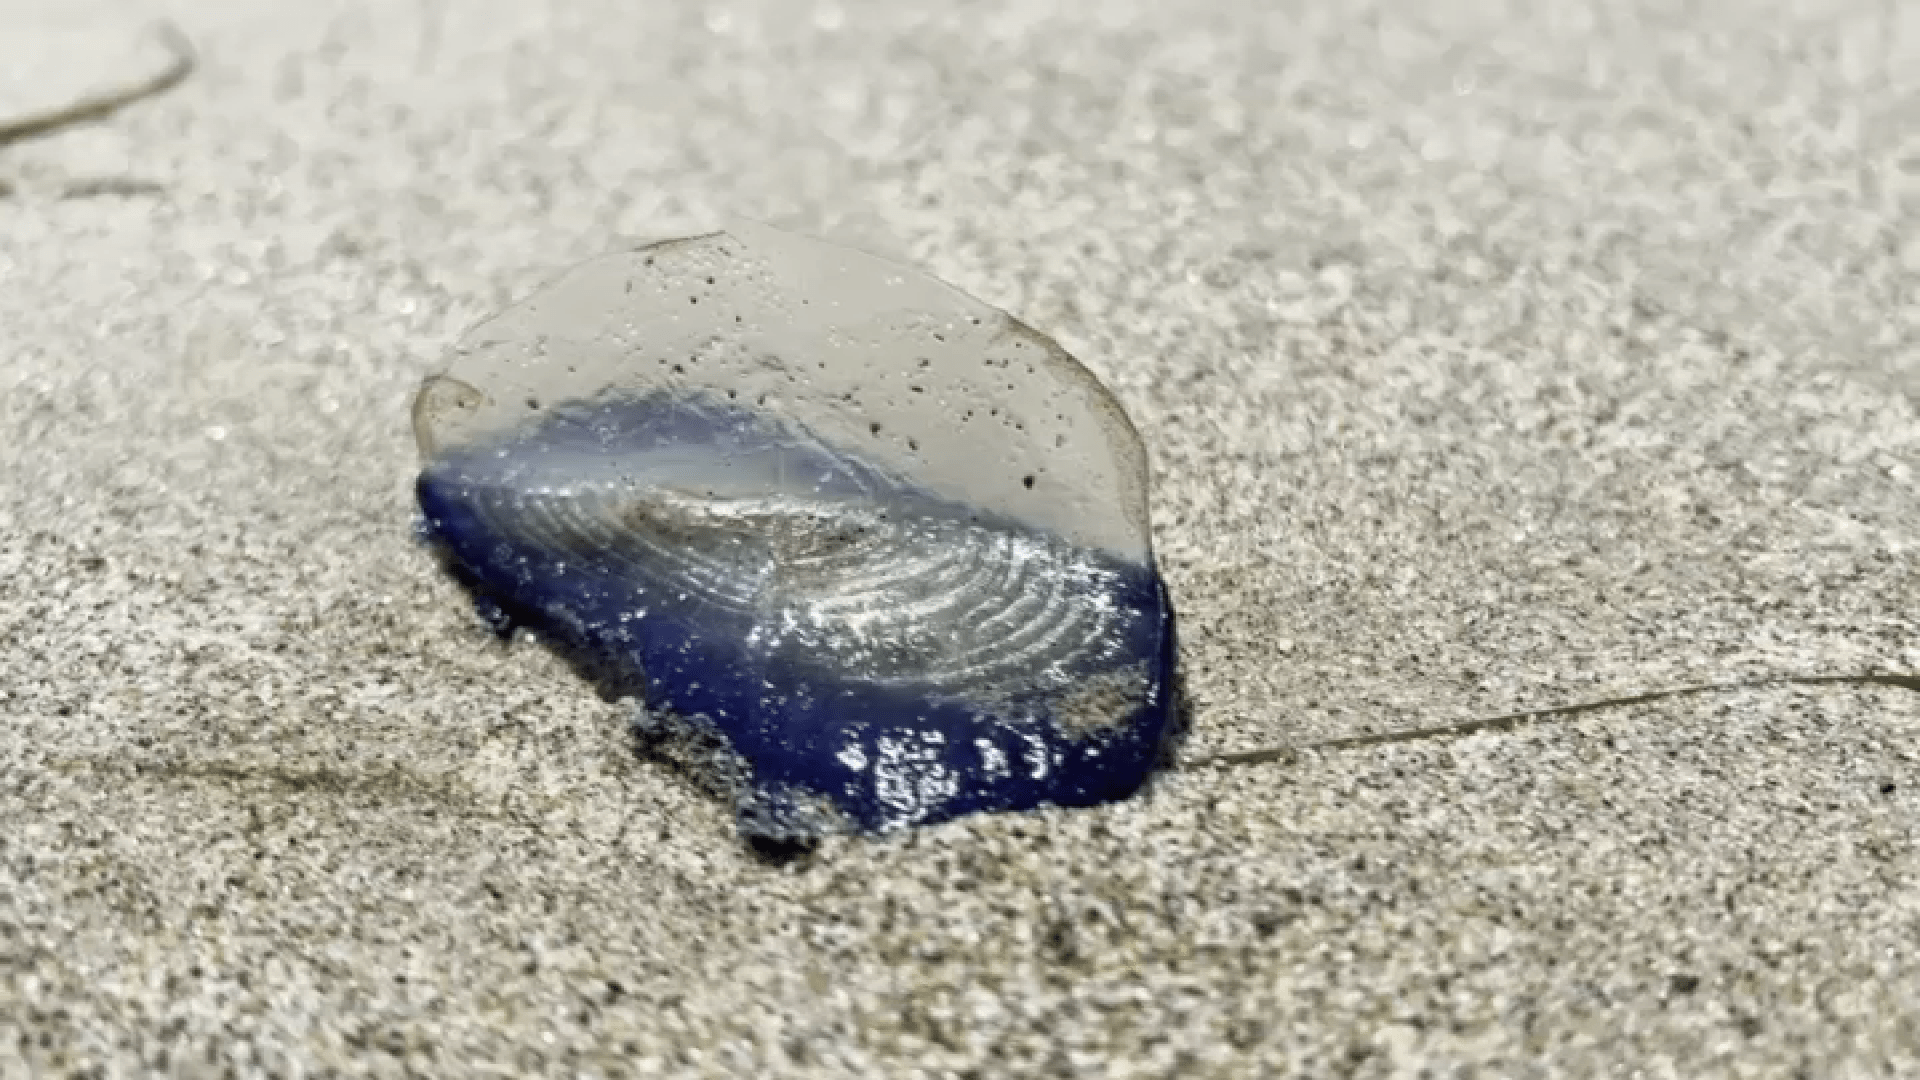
(843, 602)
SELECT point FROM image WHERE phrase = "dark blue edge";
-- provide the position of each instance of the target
(787, 777)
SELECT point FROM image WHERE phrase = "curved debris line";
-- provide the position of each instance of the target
(1512, 721)
(35, 125)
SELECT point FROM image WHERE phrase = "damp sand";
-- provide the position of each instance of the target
(1487, 361)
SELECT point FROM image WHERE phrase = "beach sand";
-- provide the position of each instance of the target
(1491, 357)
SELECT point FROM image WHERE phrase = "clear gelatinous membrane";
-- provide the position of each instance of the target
(876, 552)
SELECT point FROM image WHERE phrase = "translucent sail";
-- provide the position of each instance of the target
(878, 550)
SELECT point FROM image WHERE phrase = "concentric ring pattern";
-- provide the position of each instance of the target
(871, 582)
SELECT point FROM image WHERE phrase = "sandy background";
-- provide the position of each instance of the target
(1491, 356)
